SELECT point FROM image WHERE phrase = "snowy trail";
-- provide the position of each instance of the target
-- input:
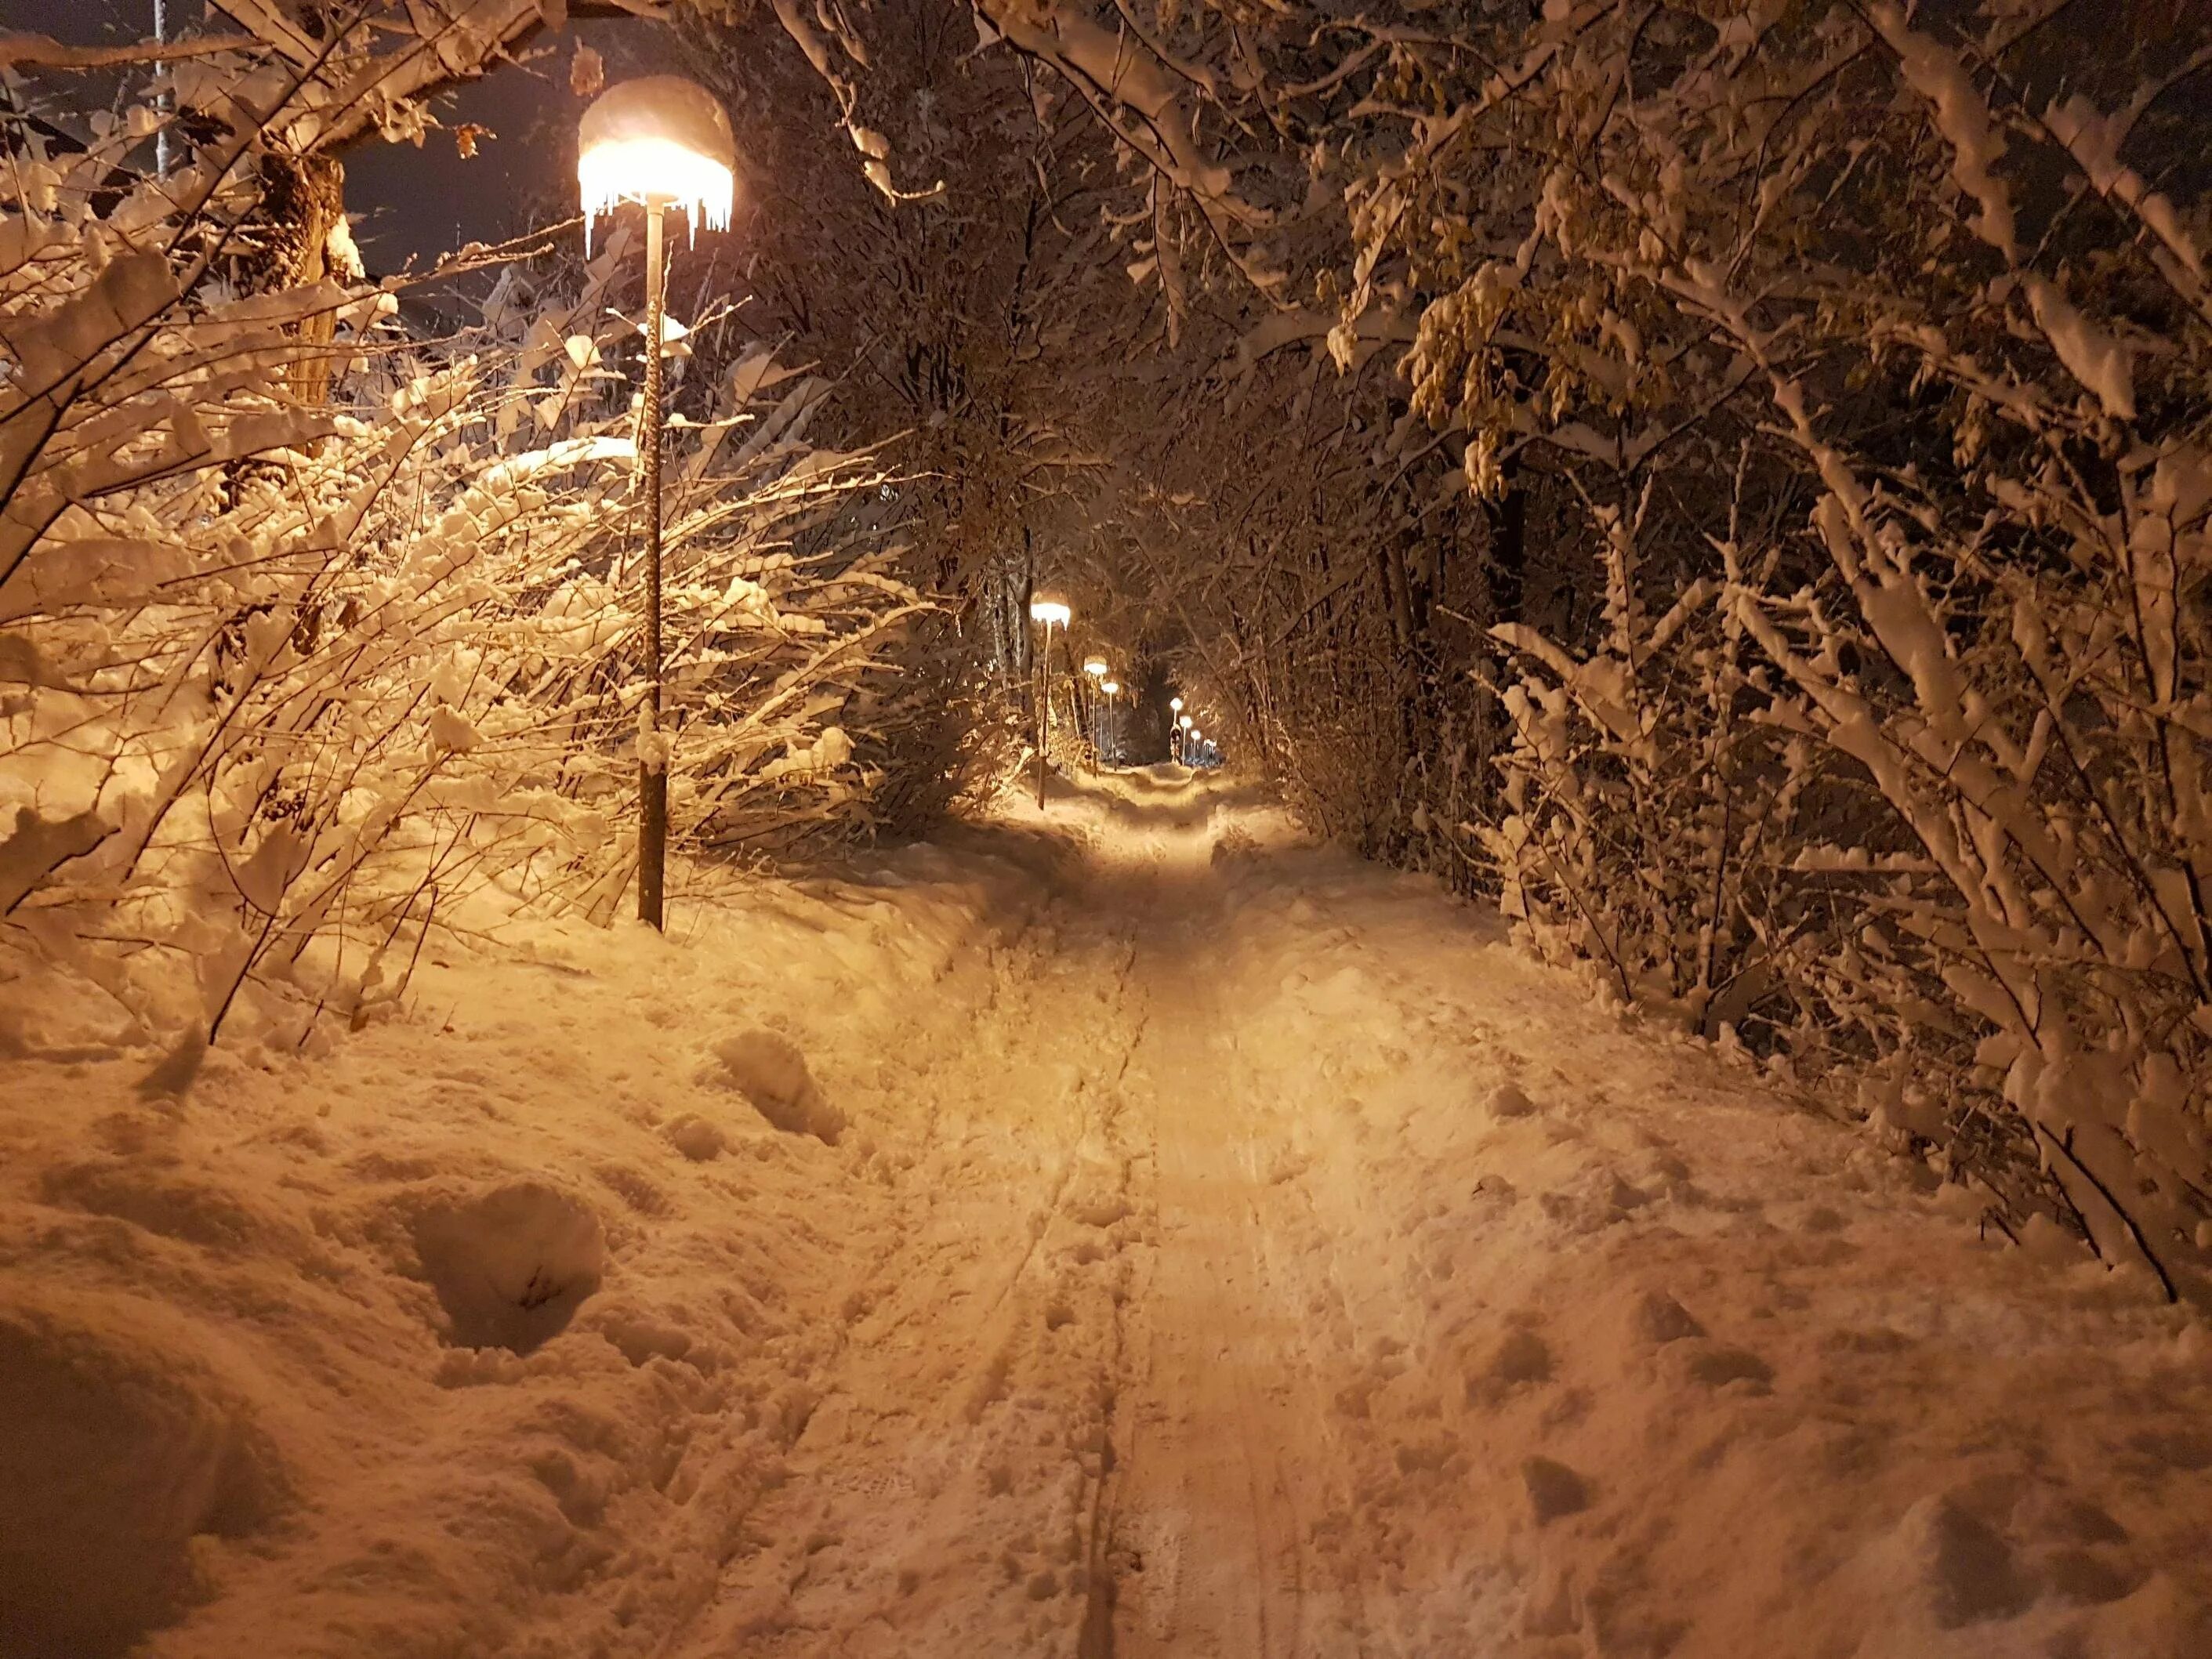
(1231, 1251)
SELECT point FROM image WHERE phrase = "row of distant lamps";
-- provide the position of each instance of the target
(1049, 614)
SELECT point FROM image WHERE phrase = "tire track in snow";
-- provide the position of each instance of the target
(1226, 1458)
(876, 1528)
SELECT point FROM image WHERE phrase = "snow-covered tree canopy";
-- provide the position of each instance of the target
(1730, 475)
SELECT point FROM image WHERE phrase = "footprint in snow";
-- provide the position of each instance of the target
(769, 1071)
(1660, 1319)
(1554, 1490)
(1508, 1100)
(1522, 1359)
(1715, 1366)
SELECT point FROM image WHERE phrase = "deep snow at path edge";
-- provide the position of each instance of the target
(1143, 1234)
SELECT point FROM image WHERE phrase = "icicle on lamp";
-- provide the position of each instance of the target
(662, 141)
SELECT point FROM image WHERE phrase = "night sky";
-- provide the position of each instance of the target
(409, 203)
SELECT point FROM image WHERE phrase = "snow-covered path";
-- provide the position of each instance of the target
(1180, 1240)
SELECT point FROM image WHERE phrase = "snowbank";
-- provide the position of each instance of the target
(1001, 1247)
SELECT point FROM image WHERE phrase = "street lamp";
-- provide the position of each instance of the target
(1053, 614)
(1182, 739)
(662, 141)
(1113, 689)
(1097, 669)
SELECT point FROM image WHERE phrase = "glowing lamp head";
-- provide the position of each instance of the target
(1095, 667)
(1176, 703)
(660, 140)
(1112, 688)
(1051, 612)
(1185, 722)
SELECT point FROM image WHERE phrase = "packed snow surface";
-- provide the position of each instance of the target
(1127, 1231)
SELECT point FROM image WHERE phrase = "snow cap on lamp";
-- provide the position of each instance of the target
(662, 140)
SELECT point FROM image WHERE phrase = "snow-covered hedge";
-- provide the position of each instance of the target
(1907, 759)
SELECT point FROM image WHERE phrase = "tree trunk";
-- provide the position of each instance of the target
(302, 200)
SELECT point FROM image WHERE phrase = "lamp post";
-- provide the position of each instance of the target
(1113, 689)
(661, 142)
(1053, 614)
(1182, 738)
(1097, 669)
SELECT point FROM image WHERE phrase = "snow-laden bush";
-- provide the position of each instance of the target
(1950, 732)
(312, 629)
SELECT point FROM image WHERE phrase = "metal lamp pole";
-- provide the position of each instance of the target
(661, 142)
(653, 763)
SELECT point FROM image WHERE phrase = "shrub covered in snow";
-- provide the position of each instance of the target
(314, 625)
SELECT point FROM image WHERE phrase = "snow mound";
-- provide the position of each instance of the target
(116, 1453)
(771, 1072)
(697, 1139)
(512, 1267)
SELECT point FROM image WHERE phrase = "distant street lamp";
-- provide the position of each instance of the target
(662, 141)
(1113, 689)
(1182, 739)
(1097, 669)
(1051, 614)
